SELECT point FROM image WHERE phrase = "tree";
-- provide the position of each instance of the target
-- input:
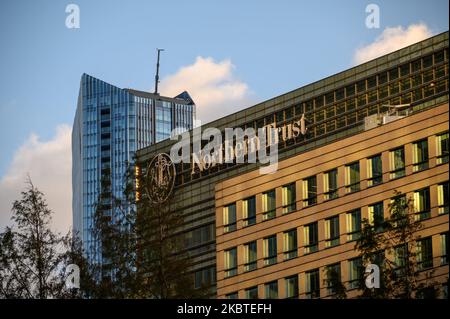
(163, 263)
(399, 278)
(334, 283)
(32, 256)
(141, 247)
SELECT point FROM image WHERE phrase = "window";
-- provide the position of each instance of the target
(311, 237)
(397, 163)
(353, 225)
(251, 293)
(376, 215)
(230, 260)
(204, 277)
(424, 253)
(232, 295)
(443, 195)
(249, 211)
(330, 184)
(355, 275)
(268, 205)
(374, 170)
(422, 204)
(270, 250)
(332, 231)
(333, 277)
(442, 148)
(250, 256)
(288, 198)
(229, 218)
(309, 191)
(399, 207)
(312, 284)
(399, 257)
(290, 244)
(291, 284)
(271, 290)
(444, 248)
(420, 155)
(352, 177)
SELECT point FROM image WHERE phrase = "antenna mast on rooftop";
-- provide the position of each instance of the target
(157, 72)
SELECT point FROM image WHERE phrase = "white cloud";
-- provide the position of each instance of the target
(392, 39)
(212, 85)
(49, 165)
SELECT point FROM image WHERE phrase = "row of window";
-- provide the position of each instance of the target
(332, 236)
(331, 112)
(332, 273)
(330, 183)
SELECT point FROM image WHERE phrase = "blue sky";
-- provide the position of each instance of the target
(275, 46)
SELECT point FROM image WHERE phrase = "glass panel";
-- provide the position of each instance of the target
(229, 218)
(288, 198)
(353, 225)
(332, 231)
(270, 250)
(397, 163)
(249, 211)
(250, 256)
(330, 184)
(420, 155)
(268, 205)
(422, 204)
(312, 284)
(443, 195)
(290, 244)
(309, 191)
(230, 260)
(311, 238)
(374, 170)
(352, 181)
(291, 284)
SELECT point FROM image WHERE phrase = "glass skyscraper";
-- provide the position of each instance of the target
(110, 125)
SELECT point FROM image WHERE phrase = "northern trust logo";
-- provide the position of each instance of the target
(239, 146)
(160, 178)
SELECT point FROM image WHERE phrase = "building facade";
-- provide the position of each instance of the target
(341, 111)
(110, 125)
(278, 234)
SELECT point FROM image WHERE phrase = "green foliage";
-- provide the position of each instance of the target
(399, 229)
(32, 257)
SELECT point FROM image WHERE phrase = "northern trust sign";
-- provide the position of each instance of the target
(209, 148)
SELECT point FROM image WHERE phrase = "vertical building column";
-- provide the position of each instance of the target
(278, 202)
(342, 228)
(299, 194)
(319, 178)
(321, 233)
(408, 158)
(239, 214)
(341, 180)
(432, 151)
(300, 241)
(240, 259)
(363, 173)
(280, 248)
(436, 249)
(434, 201)
(258, 199)
(385, 166)
(281, 288)
(345, 273)
(259, 254)
(301, 285)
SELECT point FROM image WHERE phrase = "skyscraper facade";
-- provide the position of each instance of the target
(110, 125)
